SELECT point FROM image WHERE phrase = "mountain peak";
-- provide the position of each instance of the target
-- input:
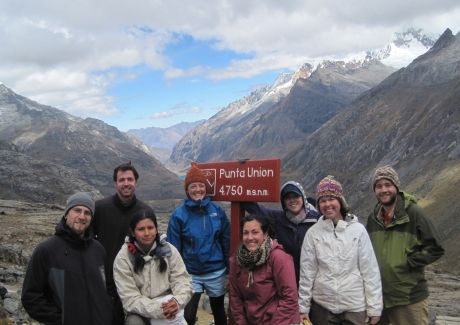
(4, 89)
(282, 79)
(287, 80)
(404, 48)
(445, 39)
(403, 39)
(444, 42)
(304, 72)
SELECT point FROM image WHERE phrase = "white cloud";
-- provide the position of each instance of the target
(69, 55)
(172, 73)
(178, 109)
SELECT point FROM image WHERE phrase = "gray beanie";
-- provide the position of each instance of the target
(80, 198)
(388, 173)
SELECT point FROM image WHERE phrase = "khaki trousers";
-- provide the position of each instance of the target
(414, 314)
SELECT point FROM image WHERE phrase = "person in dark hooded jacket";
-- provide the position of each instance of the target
(64, 281)
(292, 222)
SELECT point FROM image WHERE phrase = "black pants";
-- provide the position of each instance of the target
(321, 316)
(118, 314)
(217, 307)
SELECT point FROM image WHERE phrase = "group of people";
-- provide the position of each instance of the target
(310, 262)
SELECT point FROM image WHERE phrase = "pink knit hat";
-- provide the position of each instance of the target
(328, 186)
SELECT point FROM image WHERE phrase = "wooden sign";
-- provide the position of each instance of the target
(245, 180)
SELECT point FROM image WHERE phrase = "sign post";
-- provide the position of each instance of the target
(242, 181)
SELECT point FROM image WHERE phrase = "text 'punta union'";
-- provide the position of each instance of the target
(249, 172)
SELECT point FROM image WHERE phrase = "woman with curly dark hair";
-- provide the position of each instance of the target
(262, 282)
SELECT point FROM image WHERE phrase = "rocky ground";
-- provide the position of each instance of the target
(24, 225)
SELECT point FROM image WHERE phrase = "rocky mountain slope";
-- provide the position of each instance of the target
(47, 154)
(274, 119)
(411, 121)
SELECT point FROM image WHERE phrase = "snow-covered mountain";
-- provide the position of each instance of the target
(273, 119)
(404, 48)
(215, 138)
(265, 95)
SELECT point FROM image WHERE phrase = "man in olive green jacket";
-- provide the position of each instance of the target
(404, 241)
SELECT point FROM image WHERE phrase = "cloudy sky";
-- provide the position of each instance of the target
(142, 63)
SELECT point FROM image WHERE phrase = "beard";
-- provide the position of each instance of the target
(390, 202)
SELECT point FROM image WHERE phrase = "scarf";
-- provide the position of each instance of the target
(299, 218)
(251, 260)
(140, 257)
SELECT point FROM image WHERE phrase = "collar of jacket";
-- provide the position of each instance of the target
(341, 224)
(403, 200)
(63, 231)
(119, 203)
(197, 204)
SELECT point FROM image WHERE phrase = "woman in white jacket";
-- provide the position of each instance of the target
(339, 274)
(151, 277)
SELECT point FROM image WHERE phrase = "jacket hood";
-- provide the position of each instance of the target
(408, 199)
(341, 225)
(276, 245)
(307, 206)
(349, 218)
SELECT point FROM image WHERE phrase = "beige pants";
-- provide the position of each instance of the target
(414, 314)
